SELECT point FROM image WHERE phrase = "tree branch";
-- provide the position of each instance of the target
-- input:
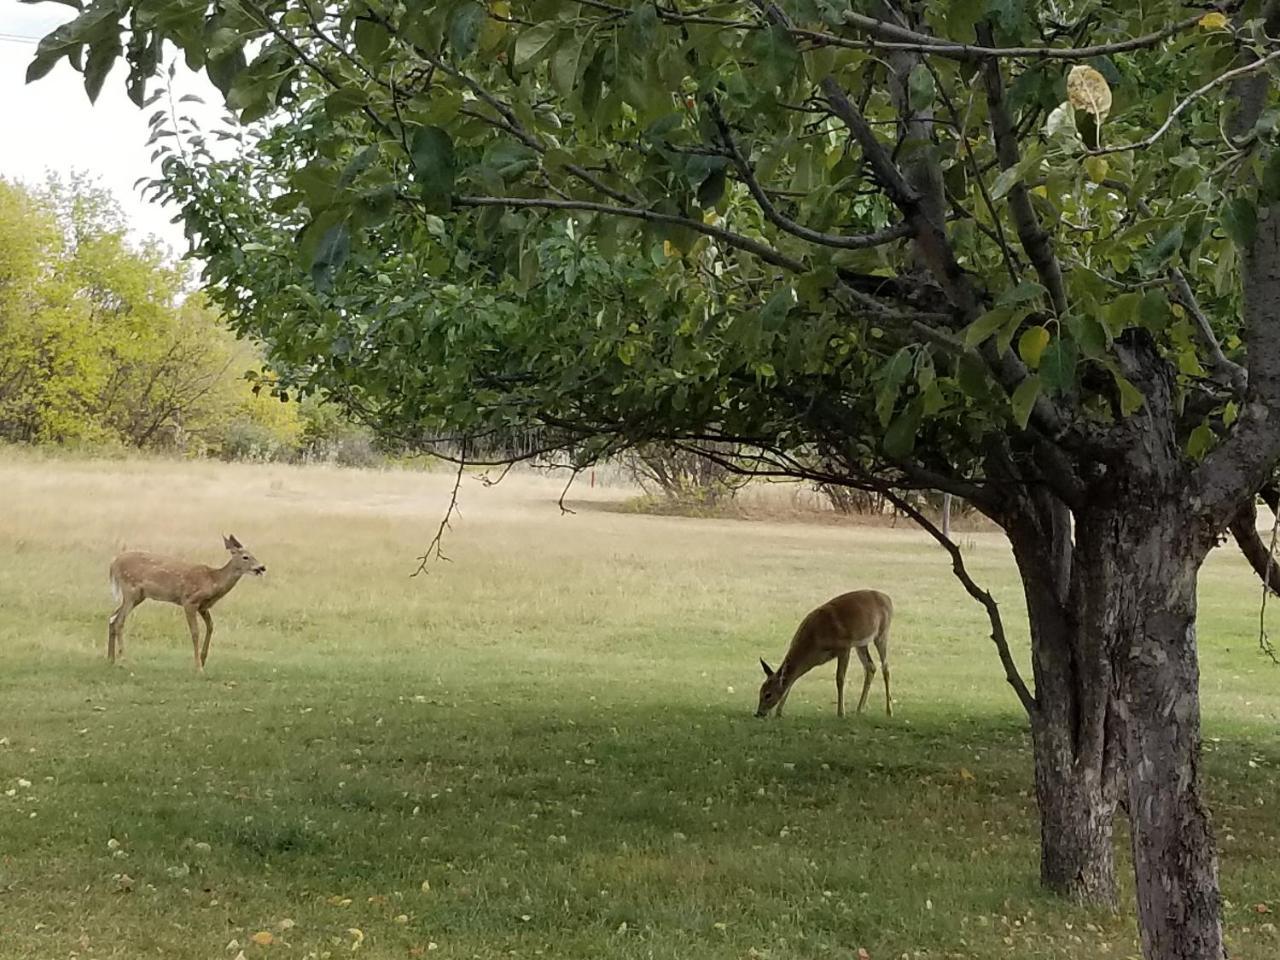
(1226, 371)
(984, 597)
(1241, 463)
(760, 249)
(891, 36)
(1035, 240)
(857, 242)
(1180, 108)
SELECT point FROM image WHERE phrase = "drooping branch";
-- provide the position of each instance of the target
(435, 549)
(983, 597)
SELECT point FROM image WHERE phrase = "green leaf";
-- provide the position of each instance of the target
(1153, 311)
(1122, 312)
(1004, 182)
(1024, 398)
(1239, 220)
(712, 188)
(1269, 185)
(920, 88)
(435, 166)
(345, 100)
(1058, 365)
(1131, 399)
(776, 56)
(900, 438)
(507, 160)
(371, 39)
(1031, 345)
(774, 313)
(986, 325)
(895, 373)
(531, 44)
(1162, 251)
(41, 65)
(1200, 442)
(565, 65)
(330, 256)
(102, 57)
(1028, 291)
(464, 29)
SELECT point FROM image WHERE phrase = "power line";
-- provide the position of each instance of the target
(18, 38)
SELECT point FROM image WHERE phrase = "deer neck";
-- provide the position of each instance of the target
(226, 577)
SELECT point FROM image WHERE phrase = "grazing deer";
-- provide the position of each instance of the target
(192, 586)
(850, 621)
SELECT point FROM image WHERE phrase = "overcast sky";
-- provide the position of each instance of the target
(51, 125)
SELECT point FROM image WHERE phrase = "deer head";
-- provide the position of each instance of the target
(241, 559)
(771, 690)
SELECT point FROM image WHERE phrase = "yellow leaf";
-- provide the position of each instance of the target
(966, 775)
(357, 937)
(1087, 90)
(1214, 20)
(1031, 345)
(668, 249)
(426, 886)
(402, 918)
(263, 938)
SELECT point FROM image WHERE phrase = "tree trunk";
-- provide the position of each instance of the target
(1138, 569)
(1074, 744)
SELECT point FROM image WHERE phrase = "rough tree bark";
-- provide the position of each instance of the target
(1074, 742)
(1139, 560)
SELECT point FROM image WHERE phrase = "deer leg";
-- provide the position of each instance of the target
(842, 665)
(882, 647)
(868, 673)
(115, 629)
(208, 634)
(194, 626)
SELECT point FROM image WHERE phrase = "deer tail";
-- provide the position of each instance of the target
(116, 593)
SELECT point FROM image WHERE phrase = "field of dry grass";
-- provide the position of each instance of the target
(541, 748)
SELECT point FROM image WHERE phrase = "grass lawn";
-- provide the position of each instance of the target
(544, 748)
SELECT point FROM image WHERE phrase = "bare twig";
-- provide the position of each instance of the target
(573, 475)
(491, 482)
(890, 36)
(434, 549)
(1264, 642)
(1182, 105)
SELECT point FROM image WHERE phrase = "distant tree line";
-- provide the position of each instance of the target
(101, 345)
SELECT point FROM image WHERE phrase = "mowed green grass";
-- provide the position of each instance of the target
(544, 748)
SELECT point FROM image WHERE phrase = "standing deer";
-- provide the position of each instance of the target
(193, 586)
(850, 621)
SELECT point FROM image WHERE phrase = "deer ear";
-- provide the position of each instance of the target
(231, 543)
(768, 670)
